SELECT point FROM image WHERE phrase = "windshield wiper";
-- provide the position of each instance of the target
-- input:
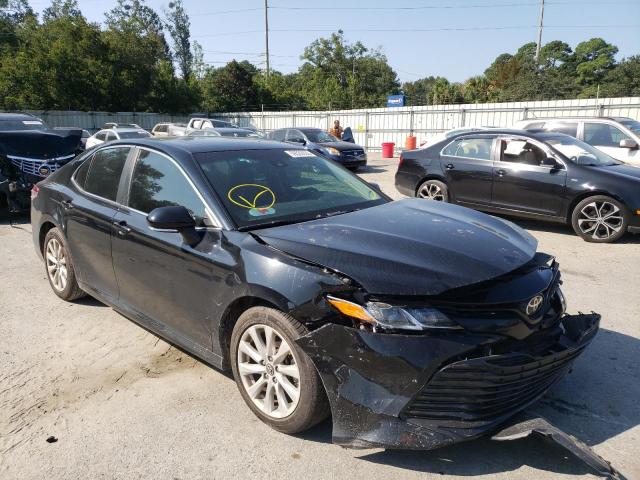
(274, 223)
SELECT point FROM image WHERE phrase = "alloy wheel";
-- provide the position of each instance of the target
(56, 264)
(269, 371)
(431, 191)
(600, 220)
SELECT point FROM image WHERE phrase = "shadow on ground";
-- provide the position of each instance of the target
(596, 402)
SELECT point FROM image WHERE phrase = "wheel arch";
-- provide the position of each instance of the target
(45, 227)
(230, 317)
(430, 176)
(594, 193)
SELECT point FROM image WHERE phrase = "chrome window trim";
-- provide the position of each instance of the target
(217, 225)
(93, 195)
(442, 154)
(541, 146)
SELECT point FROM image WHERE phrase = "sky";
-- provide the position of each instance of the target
(456, 39)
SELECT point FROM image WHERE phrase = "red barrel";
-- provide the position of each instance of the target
(387, 149)
(410, 143)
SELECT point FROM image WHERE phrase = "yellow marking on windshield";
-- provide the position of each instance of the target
(252, 190)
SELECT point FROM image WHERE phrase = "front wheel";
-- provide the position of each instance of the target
(433, 190)
(276, 379)
(600, 219)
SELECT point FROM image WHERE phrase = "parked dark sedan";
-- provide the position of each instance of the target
(416, 324)
(549, 176)
(318, 141)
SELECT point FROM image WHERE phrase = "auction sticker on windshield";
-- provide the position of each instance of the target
(299, 153)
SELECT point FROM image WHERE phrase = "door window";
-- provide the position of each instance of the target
(568, 128)
(478, 148)
(158, 182)
(521, 151)
(278, 135)
(104, 173)
(603, 135)
(295, 136)
(101, 136)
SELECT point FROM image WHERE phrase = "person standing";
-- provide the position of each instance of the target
(337, 130)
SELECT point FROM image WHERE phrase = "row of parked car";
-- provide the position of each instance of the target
(575, 171)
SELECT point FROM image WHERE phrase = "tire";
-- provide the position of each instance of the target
(57, 259)
(290, 415)
(433, 190)
(600, 219)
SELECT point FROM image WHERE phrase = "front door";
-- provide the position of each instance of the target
(607, 138)
(468, 169)
(162, 278)
(521, 183)
(89, 219)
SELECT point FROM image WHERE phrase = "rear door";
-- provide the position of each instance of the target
(520, 183)
(468, 168)
(89, 217)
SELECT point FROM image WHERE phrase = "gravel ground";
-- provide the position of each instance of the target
(85, 393)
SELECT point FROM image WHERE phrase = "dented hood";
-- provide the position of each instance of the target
(40, 144)
(408, 247)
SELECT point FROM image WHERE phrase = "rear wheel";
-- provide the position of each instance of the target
(600, 219)
(433, 190)
(275, 377)
(60, 272)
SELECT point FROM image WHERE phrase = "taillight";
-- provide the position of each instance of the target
(34, 191)
(400, 160)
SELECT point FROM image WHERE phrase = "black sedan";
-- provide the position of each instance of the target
(324, 144)
(415, 324)
(548, 176)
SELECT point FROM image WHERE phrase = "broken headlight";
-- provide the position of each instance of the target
(387, 316)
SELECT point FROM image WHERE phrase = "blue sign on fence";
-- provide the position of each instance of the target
(395, 101)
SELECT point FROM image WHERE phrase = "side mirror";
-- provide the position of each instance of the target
(375, 186)
(549, 162)
(175, 219)
(301, 141)
(628, 143)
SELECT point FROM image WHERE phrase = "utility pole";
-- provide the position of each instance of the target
(266, 33)
(540, 23)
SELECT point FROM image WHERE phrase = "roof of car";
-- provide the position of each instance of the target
(547, 119)
(185, 144)
(541, 135)
(17, 116)
(124, 129)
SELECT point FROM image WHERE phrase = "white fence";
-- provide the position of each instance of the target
(371, 127)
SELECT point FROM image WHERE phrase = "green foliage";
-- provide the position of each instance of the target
(62, 61)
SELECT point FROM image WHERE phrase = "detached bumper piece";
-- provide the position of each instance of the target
(428, 391)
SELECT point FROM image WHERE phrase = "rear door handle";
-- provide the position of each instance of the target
(501, 172)
(66, 204)
(449, 166)
(122, 228)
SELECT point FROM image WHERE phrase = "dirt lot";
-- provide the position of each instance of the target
(124, 404)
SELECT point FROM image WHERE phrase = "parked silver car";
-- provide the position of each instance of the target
(110, 134)
(618, 137)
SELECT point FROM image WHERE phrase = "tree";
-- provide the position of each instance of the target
(338, 74)
(178, 25)
(624, 79)
(230, 88)
(594, 58)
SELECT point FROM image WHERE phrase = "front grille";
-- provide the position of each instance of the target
(474, 392)
(353, 153)
(32, 167)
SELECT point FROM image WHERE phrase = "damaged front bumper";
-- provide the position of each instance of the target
(428, 391)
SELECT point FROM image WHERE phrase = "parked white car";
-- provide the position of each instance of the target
(110, 134)
(618, 137)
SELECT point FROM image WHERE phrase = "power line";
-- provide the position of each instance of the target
(444, 7)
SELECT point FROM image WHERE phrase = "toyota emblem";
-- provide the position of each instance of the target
(534, 304)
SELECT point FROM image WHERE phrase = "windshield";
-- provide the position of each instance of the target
(238, 133)
(262, 188)
(139, 134)
(9, 125)
(319, 136)
(632, 125)
(580, 152)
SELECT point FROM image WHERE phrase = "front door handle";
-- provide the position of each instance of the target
(449, 166)
(66, 204)
(122, 228)
(501, 172)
